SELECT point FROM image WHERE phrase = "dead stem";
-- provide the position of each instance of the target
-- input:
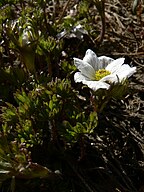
(101, 8)
(81, 178)
(103, 22)
(63, 12)
(128, 54)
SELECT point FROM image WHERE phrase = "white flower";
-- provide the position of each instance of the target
(25, 38)
(77, 31)
(100, 72)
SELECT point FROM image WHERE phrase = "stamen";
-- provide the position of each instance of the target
(101, 73)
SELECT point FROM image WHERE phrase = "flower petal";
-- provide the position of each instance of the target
(91, 58)
(104, 61)
(115, 65)
(125, 71)
(112, 78)
(95, 85)
(85, 68)
(78, 77)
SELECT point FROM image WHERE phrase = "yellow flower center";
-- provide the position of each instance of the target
(101, 73)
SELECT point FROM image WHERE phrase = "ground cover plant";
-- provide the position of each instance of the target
(71, 96)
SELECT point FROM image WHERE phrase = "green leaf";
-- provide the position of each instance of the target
(51, 105)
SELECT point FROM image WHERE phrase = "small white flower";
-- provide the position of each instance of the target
(77, 31)
(100, 72)
(25, 38)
